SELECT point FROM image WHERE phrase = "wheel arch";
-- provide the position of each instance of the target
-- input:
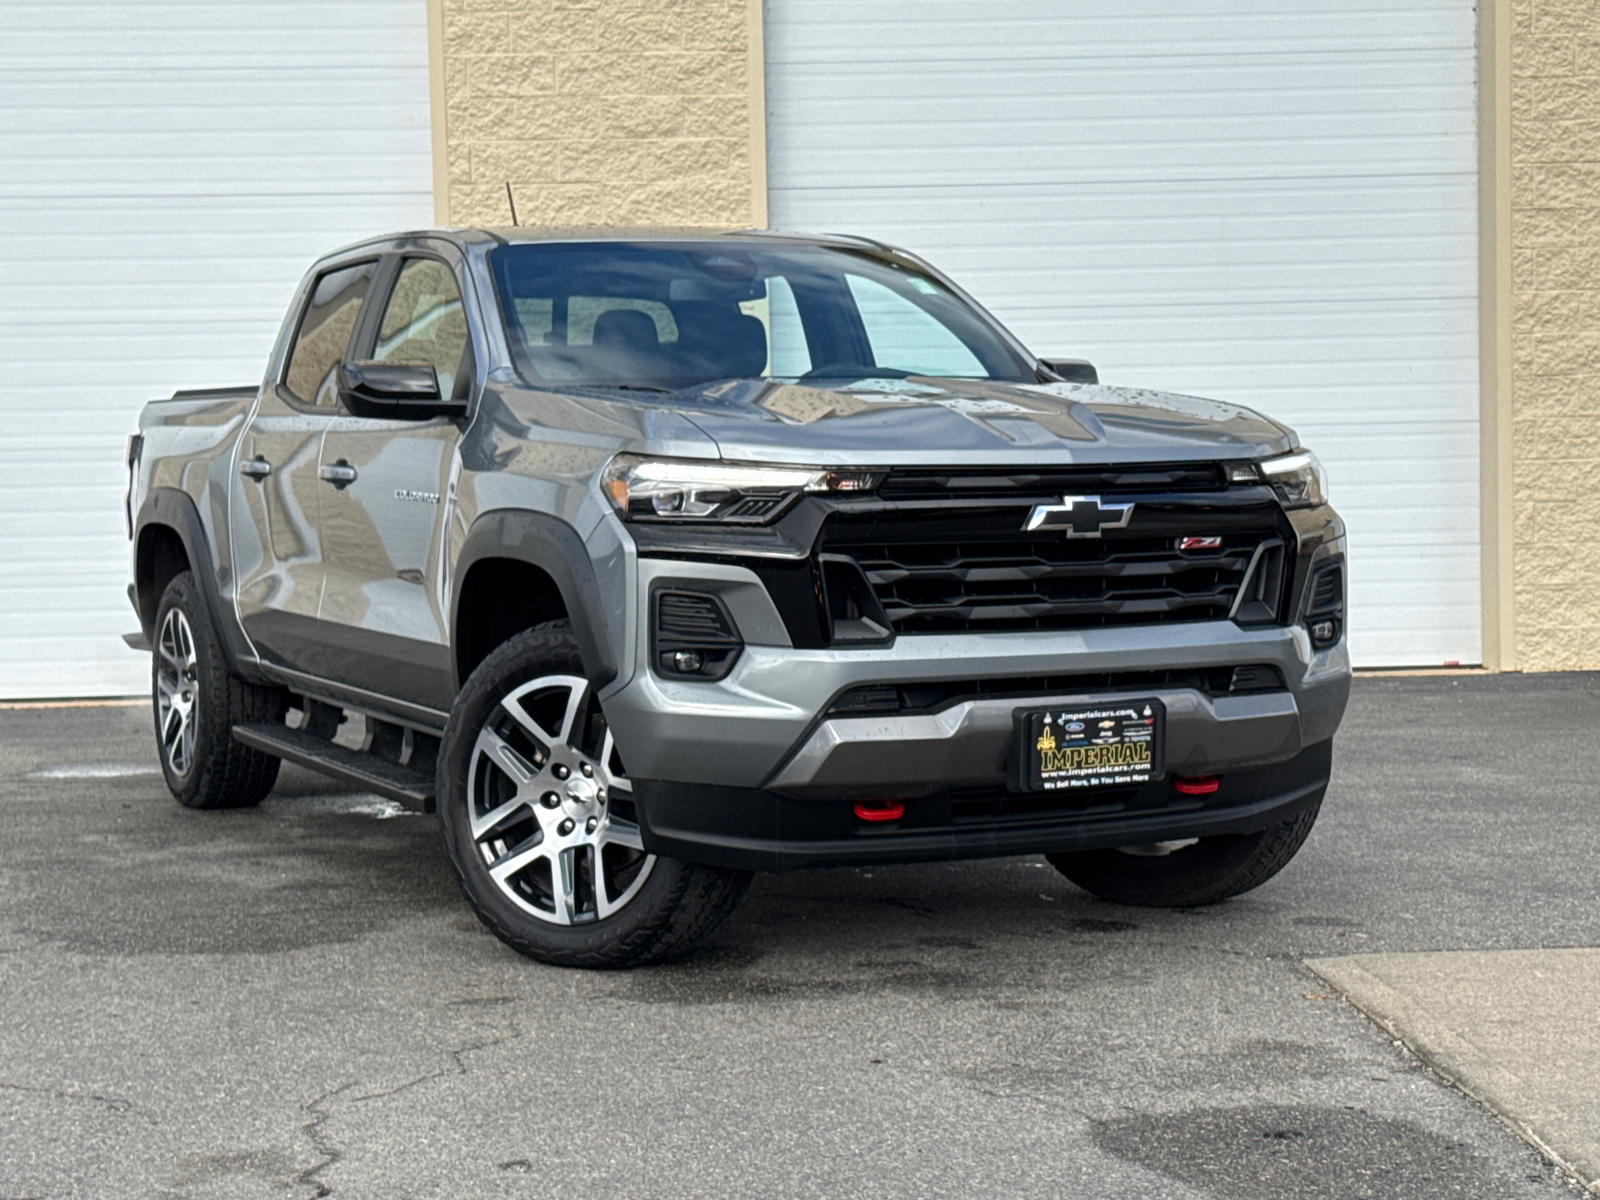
(542, 563)
(170, 538)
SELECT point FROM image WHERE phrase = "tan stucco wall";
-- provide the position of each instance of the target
(1555, 331)
(622, 112)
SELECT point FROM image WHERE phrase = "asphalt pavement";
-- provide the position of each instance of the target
(294, 1001)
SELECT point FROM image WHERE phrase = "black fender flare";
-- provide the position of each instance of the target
(553, 546)
(176, 510)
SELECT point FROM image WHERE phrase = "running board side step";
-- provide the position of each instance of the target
(366, 771)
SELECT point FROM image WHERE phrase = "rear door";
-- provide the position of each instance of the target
(275, 515)
(389, 489)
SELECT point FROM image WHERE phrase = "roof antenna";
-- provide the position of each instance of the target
(512, 201)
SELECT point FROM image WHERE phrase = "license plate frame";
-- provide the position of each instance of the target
(1116, 743)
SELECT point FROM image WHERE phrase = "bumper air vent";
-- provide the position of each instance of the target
(922, 697)
(1325, 606)
(1327, 592)
(693, 636)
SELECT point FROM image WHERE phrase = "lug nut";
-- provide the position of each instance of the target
(587, 769)
(600, 795)
(560, 771)
(550, 800)
(591, 824)
(566, 827)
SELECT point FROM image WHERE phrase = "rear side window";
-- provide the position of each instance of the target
(423, 322)
(324, 335)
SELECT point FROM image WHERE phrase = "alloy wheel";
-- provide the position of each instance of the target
(177, 691)
(551, 810)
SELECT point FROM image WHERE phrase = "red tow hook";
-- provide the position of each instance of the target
(1198, 785)
(879, 810)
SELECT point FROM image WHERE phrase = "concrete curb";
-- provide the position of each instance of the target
(1393, 990)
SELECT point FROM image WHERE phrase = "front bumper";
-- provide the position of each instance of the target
(763, 725)
(758, 830)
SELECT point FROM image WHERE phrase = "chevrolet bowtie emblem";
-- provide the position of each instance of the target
(1079, 516)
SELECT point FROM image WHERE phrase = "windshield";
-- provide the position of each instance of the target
(673, 315)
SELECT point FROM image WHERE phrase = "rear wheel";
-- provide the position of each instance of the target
(197, 703)
(1190, 873)
(538, 818)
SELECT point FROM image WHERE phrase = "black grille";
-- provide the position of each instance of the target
(969, 569)
(905, 483)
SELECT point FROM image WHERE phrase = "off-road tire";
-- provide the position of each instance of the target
(1211, 870)
(678, 904)
(221, 773)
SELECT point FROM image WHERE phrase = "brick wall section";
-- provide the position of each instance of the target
(1555, 198)
(598, 112)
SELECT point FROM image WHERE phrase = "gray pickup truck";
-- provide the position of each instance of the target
(649, 560)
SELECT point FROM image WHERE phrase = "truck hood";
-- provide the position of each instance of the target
(922, 421)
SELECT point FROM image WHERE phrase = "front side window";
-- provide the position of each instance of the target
(423, 322)
(676, 315)
(323, 338)
(906, 338)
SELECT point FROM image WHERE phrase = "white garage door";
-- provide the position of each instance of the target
(167, 172)
(1267, 202)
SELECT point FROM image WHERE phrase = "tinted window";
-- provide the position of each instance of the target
(324, 334)
(678, 314)
(424, 323)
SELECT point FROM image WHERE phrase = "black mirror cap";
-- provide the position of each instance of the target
(406, 391)
(1071, 370)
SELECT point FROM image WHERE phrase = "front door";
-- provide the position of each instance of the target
(275, 514)
(387, 492)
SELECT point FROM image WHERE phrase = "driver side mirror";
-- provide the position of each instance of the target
(406, 391)
(1071, 370)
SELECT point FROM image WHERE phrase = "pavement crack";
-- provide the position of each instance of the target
(323, 1146)
(457, 1067)
(320, 1114)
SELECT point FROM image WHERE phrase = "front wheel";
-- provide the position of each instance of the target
(538, 819)
(1187, 874)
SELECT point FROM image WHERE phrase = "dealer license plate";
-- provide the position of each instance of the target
(1116, 744)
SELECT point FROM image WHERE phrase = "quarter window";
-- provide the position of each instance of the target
(423, 322)
(324, 334)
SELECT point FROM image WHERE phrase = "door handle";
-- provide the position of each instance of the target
(341, 474)
(256, 468)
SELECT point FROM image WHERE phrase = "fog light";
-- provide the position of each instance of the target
(687, 661)
(1322, 632)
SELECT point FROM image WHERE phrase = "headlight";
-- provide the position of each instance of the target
(1298, 479)
(679, 489)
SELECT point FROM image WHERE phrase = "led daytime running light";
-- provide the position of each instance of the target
(1298, 479)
